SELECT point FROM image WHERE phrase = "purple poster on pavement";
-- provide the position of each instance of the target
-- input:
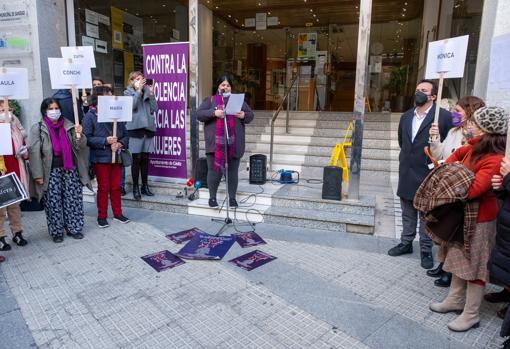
(162, 260)
(249, 239)
(184, 235)
(252, 260)
(167, 65)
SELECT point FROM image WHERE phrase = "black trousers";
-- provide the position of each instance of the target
(214, 178)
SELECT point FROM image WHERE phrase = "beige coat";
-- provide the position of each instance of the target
(453, 141)
(41, 154)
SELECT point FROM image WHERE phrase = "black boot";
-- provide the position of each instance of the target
(436, 272)
(444, 281)
(146, 190)
(136, 193)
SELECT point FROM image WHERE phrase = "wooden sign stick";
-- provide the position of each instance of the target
(507, 149)
(6, 109)
(114, 135)
(435, 138)
(75, 108)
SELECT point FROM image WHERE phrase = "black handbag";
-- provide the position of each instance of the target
(126, 159)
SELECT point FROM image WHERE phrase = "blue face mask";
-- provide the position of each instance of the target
(227, 94)
(456, 119)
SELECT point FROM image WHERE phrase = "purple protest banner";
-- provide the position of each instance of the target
(249, 239)
(184, 235)
(167, 65)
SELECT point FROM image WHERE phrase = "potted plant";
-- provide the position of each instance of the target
(397, 87)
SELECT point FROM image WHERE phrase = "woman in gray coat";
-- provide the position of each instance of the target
(141, 130)
(211, 114)
(59, 166)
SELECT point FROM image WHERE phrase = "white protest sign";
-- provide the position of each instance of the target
(80, 55)
(14, 83)
(114, 108)
(5, 139)
(63, 74)
(447, 56)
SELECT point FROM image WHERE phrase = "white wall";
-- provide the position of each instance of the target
(205, 51)
(428, 32)
(494, 23)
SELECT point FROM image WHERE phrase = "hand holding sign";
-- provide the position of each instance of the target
(14, 85)
(113, 109)
(445, 59)
(64, 73)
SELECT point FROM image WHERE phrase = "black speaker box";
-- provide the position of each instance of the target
(258, 169)
(332, 183)
(202, 172)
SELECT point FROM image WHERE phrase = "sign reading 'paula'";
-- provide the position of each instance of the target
(448, 57)
(14, 83)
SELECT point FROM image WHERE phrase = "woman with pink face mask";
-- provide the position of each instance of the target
(461, 112)
(458, 135)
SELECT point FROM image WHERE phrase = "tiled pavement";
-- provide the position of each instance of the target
(325, 290)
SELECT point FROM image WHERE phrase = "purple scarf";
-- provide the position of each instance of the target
(60, 144)
(219, 150)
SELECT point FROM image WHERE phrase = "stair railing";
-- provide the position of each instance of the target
(275, 116)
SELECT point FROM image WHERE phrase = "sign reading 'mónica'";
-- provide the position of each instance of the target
(167, 65)
(447, 56)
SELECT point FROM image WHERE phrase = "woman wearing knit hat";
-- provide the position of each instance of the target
(482, 155)
(462, 113)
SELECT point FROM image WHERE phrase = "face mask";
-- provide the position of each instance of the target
(420, 98)
(53, 114)
(456, 119)
(227, 94)
(468, 134)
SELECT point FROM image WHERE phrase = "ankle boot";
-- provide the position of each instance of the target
(470, 316)
(136, 193)
(444, 281)
(455, 299)
(436, 272)
(146, 190)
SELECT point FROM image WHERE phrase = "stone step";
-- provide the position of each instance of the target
(283, 149)
(282, 204)
(339, 124)
(333, 134)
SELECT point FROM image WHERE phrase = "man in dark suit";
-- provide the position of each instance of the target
(413, 137)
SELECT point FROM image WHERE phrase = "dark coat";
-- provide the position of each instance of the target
(65, 99)
(96, 133)
(205, 113)
(413, 163)
(499, 262)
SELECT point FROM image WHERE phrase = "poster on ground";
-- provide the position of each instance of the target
(184, 235)
(205, 246)
(252, 260)
(167, 65)
(249, 239)
(162, 260)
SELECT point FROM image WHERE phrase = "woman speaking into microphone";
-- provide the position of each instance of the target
(212, 115)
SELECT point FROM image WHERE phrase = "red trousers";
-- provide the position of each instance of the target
(108, 182)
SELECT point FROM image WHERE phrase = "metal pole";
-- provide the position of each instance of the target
(365, 15)
(193, 83)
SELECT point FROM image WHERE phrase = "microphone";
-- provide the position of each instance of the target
(222, 91)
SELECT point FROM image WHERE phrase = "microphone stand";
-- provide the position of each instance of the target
(227, 219)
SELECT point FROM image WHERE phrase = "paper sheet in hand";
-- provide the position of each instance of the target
(234, 104)
(5, 137)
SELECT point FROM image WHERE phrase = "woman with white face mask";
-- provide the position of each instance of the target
(59, 166)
